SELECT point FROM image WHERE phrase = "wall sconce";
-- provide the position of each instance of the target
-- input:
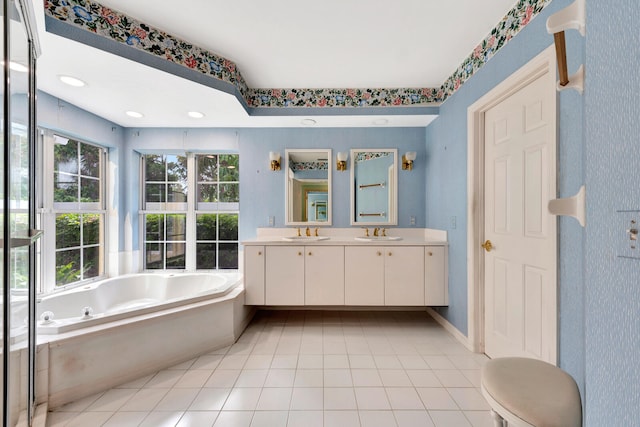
(407, 160)
(341, 164)
(275, 160)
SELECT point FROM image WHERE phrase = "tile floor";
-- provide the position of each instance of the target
(306, 368)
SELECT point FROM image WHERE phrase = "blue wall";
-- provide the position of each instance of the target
(263, 190)
(446, 182)
(612, 147)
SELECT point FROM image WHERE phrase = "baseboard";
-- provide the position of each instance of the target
(450, 328)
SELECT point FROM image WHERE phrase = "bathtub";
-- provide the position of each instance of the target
(139, 324)
(127, 296)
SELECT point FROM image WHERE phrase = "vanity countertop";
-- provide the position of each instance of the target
(349, 237)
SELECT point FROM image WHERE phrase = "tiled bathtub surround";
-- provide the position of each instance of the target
(307, 368)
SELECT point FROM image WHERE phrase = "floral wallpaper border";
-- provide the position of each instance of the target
(363, 156)
(91, 16)
(308, 166)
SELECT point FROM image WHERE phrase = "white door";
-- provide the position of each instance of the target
(520, 269)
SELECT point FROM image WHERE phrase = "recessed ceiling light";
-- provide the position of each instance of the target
(134, 114)
(308, 122)
(72, 81)
(380, 122)
(195, 114)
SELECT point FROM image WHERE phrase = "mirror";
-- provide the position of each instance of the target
(374, 186)
(308, 187)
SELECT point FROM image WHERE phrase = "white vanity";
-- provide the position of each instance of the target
(345, 269)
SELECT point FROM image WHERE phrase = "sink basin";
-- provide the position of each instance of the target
(378, 238)
(305, 238)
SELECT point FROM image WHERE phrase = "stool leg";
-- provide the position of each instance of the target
(498, 421)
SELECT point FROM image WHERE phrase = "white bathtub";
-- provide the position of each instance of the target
(140, 324)
(128, 296)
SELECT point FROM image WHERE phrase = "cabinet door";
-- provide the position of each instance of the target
(364, 275)
(284, 277)
(324, 275)
(404, 275)
(436, 290)
(254, 275)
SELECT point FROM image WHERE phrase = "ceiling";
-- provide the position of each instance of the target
(275, 44)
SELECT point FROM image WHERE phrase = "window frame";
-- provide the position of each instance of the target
(191, 209)
(48, 211)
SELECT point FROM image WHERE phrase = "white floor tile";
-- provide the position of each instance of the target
(366, 378)
(270, 419)
(252, 378)
(361, 361)
(165, 379)
(423, 378)
(208, 361)
(210, 399)
(309, 378)
(305, 419)
(394, 378)
(337, 378)
(341, 419)
(197, 419)
(449, 419)
(371, 398)
(479, 418)
(452, 378)
(126, 419)
(60, 419)
(177, 399)
(90, 419)
(258, 361)
(242, 399)
(377, 419)
(307, 399)
(310, 361)
(139, 383)
(404, 398)
(184, 365)
(79, 405)
(413, 419)
(336, 361)
(412, 362)
(280, 378)
(194, 378)
(387, 362)
(339, 399)
(225, 378)
(233, 361)
(274, 399)
(144, 400)
(439, 362)
(284, 361)
(469, 399)
(437, 398)
(234, 419)
(112, 400)
(473, 375)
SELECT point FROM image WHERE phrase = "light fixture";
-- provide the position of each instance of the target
(274, 156)
(407, 160)
(72, 81)
(134, 114)
(341, 164)
(195, 114)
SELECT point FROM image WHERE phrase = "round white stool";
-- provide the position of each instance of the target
(530, 393)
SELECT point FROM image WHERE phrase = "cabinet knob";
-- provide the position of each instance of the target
(430, 253)
(379, 253)
(299, 253)
(390, 254)
(259, 253)
(310, 253)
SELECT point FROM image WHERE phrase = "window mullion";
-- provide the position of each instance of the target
(190, 244)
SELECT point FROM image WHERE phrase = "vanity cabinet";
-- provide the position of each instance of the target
(404, 275)
(436, 291)
(324, 275)
(345, 274)
(284, 275)
(364, 275)
(254, 257)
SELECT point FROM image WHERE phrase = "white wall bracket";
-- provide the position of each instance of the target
(571, 17)
(574, 206)
(576, 81)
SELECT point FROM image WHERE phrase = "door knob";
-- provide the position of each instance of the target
(487, 246)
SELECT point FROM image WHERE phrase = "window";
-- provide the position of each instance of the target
(78, 209)
(170, 215)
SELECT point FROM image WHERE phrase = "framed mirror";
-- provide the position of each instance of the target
(374, 186)
(308, 187)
